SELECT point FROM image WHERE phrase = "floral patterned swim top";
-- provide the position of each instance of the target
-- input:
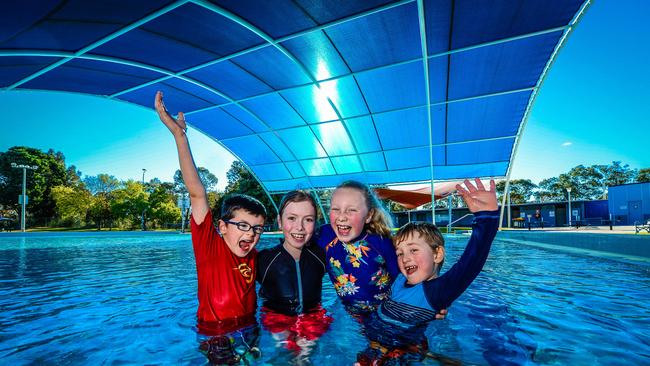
(362, 271)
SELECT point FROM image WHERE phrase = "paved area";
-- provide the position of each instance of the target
(587, 229)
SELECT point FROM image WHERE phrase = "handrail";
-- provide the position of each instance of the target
(451, 223)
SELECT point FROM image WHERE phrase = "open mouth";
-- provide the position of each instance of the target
(344, 229)
(410, 269)
(245, 245)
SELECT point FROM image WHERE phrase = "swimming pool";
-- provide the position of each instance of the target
(120, 298)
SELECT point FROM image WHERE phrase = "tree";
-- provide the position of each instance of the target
(616, 174)
(643, 176)
(72, 204)
(586, 182)
(551, 189)
(208, 179)
(101, 183)
(165, 212)
(162, 203)
(100, 210)
(521, 190)
(240, 180)
(51, 172)
(128, 204)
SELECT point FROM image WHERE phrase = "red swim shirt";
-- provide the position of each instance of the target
(226, 283)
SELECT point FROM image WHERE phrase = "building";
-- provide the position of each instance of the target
(547, 214)
(630, 203)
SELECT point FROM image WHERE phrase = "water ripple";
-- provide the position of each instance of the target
(131, 299)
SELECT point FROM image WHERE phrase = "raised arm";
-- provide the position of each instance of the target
(442, 291)
(177, 126)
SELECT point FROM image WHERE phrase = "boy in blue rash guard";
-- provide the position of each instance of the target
(418, 293)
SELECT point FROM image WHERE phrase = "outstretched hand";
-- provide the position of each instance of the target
(478, 198)
(177, 126)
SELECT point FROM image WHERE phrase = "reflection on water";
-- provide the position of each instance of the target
(115, 298)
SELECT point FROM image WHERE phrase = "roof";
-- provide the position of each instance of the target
(308, 93)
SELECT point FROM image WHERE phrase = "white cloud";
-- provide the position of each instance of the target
(568, 143)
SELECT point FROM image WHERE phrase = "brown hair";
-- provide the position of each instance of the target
(297, 196)
(428, 232)
(380, 221)
(241, 202)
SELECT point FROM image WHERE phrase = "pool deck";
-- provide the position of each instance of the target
(622, 241)
(585, 229)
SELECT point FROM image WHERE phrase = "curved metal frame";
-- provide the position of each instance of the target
(83, 54)
(531, 101)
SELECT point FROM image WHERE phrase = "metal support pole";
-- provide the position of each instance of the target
(22, 214)
(509, 211)
(320, 205)
(449, 212)
(143, 209)
(569, 192)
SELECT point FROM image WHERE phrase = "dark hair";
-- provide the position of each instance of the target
(380, 222)
(428, 232)
(297, 196)
(241, 202)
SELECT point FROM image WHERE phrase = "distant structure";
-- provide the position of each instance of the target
(538, 214)
(630, 203)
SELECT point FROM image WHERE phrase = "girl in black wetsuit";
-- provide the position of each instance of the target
(290, 276)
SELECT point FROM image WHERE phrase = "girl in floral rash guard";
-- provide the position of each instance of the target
(359, 252)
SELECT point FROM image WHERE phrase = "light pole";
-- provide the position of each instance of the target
(143, 209)
(568, 190)
(23, 197)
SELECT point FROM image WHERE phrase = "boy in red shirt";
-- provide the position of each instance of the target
(225, 264)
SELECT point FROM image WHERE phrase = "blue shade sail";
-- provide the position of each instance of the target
(231, 80)
(308, 93)
(14, 69)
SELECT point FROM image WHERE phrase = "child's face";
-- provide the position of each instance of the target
(241, 242)
(297, 223)
(416, 259)
(348, 213)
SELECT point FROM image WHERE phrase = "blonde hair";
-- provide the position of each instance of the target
(380, 221)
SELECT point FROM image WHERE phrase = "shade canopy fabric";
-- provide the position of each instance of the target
(415, 197)
(308, 93)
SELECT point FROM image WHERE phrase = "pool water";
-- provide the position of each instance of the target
(120, 298)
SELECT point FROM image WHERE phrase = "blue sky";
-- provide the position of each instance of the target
(593, 108)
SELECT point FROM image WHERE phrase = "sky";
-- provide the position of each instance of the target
(593, 108)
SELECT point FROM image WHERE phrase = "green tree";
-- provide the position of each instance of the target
(100, 210)
(72, 204)
(551, 189)
(586, 182)
(128, 203)
(240, 180)
(51, 172)
(165, 212)
(521, 190)
(208, 179)
(101, 183)
(643, 176)
(616, 174)
(162, 203)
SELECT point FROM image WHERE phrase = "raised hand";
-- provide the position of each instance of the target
(177, 126)
(478, 198)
